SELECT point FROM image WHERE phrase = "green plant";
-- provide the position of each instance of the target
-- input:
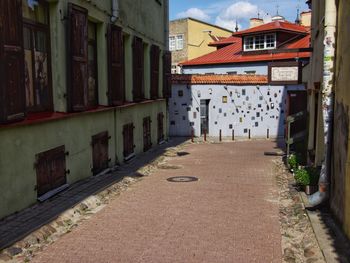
(302, 177)
(307, 176)
(293, 162)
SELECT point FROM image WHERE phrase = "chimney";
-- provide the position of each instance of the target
(305, 18)
(254, 22)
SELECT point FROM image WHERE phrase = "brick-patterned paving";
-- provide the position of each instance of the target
(229, 215)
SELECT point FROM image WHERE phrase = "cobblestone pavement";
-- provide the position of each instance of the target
(231, 214)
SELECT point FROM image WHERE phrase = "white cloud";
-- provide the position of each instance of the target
(194, 13)
(241, 10)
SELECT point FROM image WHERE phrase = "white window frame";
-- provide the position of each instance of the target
(172, 43)
(180, 42)
(248, 38)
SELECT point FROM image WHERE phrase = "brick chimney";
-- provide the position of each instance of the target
(305, 18)
(254, 22)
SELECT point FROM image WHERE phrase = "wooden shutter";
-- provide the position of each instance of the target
(138, 75)
(100, 156)
(78, 58)
(51, 170)
(116, 89)
(128, 139)
(147, 140)
(160, 119)
(12, 95)
(154, 71)
(167, 74)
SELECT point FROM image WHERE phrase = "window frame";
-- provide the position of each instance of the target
(179, 38)
(253, 40)
(172, 39)
(35, 27)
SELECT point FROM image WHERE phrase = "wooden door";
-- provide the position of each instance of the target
(12, 95)
(297, 102)
(100, 158)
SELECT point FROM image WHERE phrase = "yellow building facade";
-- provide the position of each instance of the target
(189, 38)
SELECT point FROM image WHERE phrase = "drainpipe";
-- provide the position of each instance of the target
(327, 101)
(166, 23)
(115, 11)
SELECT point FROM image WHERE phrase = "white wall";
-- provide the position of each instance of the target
(260, 68)
(257, 108)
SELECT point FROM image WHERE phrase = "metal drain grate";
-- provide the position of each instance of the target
(182, 179)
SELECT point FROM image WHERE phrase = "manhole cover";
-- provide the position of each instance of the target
(182, 179)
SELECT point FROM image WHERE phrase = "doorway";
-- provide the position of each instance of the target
(204, 116)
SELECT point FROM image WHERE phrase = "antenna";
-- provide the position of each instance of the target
(236, 28)
(277, 9)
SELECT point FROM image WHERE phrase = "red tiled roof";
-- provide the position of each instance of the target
(233, 54)
(224, 41)
(274, 26)
(219, 79)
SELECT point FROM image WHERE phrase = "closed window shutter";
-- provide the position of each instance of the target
(12, 94)
(116, 89)
(138, 75)
(154, 71)
(166, 74)
(78, 59)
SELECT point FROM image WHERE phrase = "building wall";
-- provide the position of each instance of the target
(259, 68)
(340, 184)
(316, 143)
(179, 27)
(199, 38)
(260, 109)
(23, 141)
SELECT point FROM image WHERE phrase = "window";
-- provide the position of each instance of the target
(248, 43)
(179, 42)
(270, 41)
(172, 43)
(232, 72)
(260, 42)
(250, 72)
(92, 66)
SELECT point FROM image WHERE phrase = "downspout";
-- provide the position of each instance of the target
(327, 101)
(166, 22)
(115, 11)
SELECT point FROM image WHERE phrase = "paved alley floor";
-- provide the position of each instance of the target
(230, 214)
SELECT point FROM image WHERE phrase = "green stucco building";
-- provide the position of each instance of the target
(83, 87)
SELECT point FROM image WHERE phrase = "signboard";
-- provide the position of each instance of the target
(281, 73)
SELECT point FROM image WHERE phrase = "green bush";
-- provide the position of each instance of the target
(307, 176)
(293, 162)
(302, 177)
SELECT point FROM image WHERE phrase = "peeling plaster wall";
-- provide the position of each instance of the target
(340, 199)
(239, 108)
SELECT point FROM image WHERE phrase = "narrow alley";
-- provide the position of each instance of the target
(231, 214)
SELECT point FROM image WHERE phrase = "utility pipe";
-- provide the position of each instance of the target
(115, 11)
(166, 23)
(327, 100)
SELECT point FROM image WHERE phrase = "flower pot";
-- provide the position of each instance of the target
(310, 189)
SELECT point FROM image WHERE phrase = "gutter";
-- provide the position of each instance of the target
(327, 101)
(115, 11)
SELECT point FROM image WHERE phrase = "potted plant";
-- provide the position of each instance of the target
(307, 178)
(293, 162)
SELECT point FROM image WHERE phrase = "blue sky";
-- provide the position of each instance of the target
(225, 12)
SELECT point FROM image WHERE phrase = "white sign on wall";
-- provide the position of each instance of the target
(285, 74)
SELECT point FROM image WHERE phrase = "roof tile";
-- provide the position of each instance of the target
(219, 79)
